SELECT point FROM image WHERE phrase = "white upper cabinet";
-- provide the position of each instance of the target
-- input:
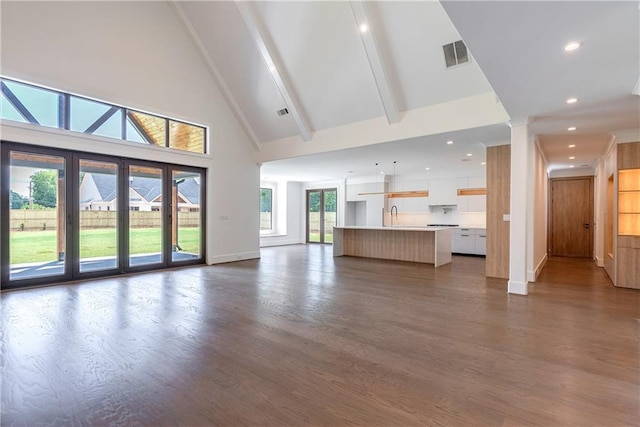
(352, 192)
(475, 203)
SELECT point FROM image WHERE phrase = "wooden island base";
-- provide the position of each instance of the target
(426, 245)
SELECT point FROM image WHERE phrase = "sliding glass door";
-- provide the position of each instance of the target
(146, 208)
(34, 216)
(68, 215)
(98, 220)
(186, 215)
(321, 215)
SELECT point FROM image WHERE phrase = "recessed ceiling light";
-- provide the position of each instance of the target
(469, 154)
(572, 146)
(572, 166)
(483, 163)
(572, 157)
(571, 46)
(571, 129)
(364, 28)
(427, 169)
(272, 69)
(572, 100)
(449, 142)
(381, 173)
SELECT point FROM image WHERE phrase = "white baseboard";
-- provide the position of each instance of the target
(532, 276)
(518, 288)
(278, 242)
(218, 259)
(599, 261)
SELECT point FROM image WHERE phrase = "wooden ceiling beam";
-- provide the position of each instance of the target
(275, 67)
(376, 62)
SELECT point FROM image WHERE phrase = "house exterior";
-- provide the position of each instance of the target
(98, 193)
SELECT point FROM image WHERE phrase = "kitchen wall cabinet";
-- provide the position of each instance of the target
(628, 242)
(360, 197)
(374, 206)
(474, 203)
(409, 204)
(352, 193)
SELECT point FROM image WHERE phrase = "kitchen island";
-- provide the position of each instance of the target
(429, 245)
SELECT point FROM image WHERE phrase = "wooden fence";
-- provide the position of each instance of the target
(314, 221)
(24, 219)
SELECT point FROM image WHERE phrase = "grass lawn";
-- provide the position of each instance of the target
(40, 246)
(315, 237)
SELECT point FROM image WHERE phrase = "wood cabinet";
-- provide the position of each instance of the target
(498, 205)
(628, 242)
(629, 202)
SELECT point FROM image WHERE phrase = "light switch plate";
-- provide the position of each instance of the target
(506, 217)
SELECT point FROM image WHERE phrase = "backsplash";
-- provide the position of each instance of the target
(464, 219)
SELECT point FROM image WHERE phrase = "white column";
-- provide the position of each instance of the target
(522, 158)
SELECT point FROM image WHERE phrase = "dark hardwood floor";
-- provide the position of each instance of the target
(301, 338)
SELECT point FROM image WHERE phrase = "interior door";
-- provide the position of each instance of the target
(571, 217)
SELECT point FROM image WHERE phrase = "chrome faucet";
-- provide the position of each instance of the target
(396, 209)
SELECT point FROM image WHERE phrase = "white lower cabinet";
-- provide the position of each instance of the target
(472, 241)
(464, 243)
(481, 242)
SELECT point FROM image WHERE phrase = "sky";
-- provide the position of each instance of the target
(43, 105)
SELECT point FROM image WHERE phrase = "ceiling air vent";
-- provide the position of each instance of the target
(283, 112)
(455, 53)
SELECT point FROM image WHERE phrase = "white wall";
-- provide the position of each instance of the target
(570, 173)
(137, 54)
(290, 227)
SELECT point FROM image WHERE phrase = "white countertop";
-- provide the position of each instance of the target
(397, 228)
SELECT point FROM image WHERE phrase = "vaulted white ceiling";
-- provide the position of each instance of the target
(324, 71)
(318, 50)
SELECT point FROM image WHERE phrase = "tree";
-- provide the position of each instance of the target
(45, 187)
(265, 199)
(330, 201)
(17, 200)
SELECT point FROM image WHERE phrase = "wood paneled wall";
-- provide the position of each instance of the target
(628, 253)
(498, 200)
(629, 155)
